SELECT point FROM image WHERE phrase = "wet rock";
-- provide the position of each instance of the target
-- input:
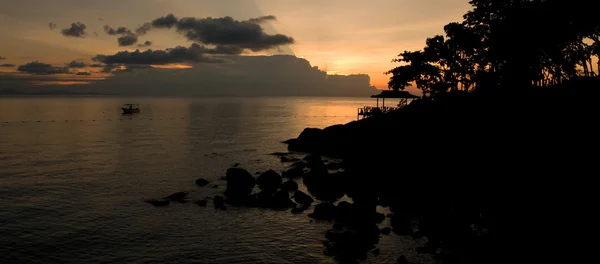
(290, 186)
(219, 202)
(269, 181)
(333, 166)
(178, 197)
(386, 230)
(298, 210)
(324, 211)
(215, 186)
(281, 199)
(303, 198)
(202, 203)
(293, 173)
(279, 154)
(312, 158)
(375, 252)
(202, 182)
(378, 217)
(324, 186)
(298, 164)
(239, 185)
(287, 159)
(159, 202)
(401, 260)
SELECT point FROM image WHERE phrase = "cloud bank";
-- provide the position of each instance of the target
(37, 67)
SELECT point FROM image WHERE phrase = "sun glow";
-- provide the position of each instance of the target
(172, 66)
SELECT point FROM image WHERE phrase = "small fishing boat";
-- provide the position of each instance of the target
(130, 108)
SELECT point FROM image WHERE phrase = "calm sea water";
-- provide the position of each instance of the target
(74, 174)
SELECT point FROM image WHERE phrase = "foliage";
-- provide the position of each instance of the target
(505, 44)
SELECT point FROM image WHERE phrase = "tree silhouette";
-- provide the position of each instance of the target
(508, 44)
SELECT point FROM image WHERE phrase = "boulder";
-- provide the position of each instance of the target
(281, 199)
(324, 211)
(287, 159)
(298, 210)
(239, 182)
(293, 173)
(386, 230)
(298, 164)
(290, 186)
(269, 181)
(303, 198)
(334, 166)
(202, 182)
(219, 202)
(312, 158)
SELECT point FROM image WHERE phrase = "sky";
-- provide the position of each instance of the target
(342, 37)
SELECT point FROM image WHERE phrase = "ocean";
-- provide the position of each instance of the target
(74, 174)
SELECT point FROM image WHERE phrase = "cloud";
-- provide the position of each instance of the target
(127, 40)
(51, 25)
(143, 29)
(96, 65)
(262, 19)
(3, 58)
(37, 67)
(84, 73)
(179, 54)
(76, 64)
(118, 31)
(246, 76)
(7, 65)
(76, 30)
(224, 31)
(147, 43)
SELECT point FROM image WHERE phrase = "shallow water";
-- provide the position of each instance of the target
(74, 174)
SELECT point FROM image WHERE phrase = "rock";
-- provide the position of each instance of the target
(324, 186)
(293, 173)
(281, 199)
(201, 182)
(298, 164)
(178, 197)
(386, 230)
(375, 252)
(239, 184)
(303, 198)
(312, 158)
(287, 159)
(324, 211)
(298, 210)
(333, 166)
(219, 202)
(159, 202)
(378, 217)
(279, 154)
(290, 186)
(201, 203)
(402, 260)
(269, 181)
(215, 186)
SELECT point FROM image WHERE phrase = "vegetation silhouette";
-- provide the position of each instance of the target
(494, 154)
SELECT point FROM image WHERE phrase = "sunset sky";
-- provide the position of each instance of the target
(338, 36)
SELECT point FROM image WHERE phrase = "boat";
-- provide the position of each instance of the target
(130, 108)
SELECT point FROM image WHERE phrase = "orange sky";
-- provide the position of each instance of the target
(343, 37)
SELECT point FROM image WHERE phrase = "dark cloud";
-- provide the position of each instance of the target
(108, 68)
(3, 58)
(37, 67)
(76, 64)
(167, 21)
(127, 40)
(224, 31)
(118, 31)
(195, 53)
(262, 19)
(7, 65)
(147, 43)
(51, 25)
(84, 73)
(143, 29)
(76, 30)
(97, 65)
